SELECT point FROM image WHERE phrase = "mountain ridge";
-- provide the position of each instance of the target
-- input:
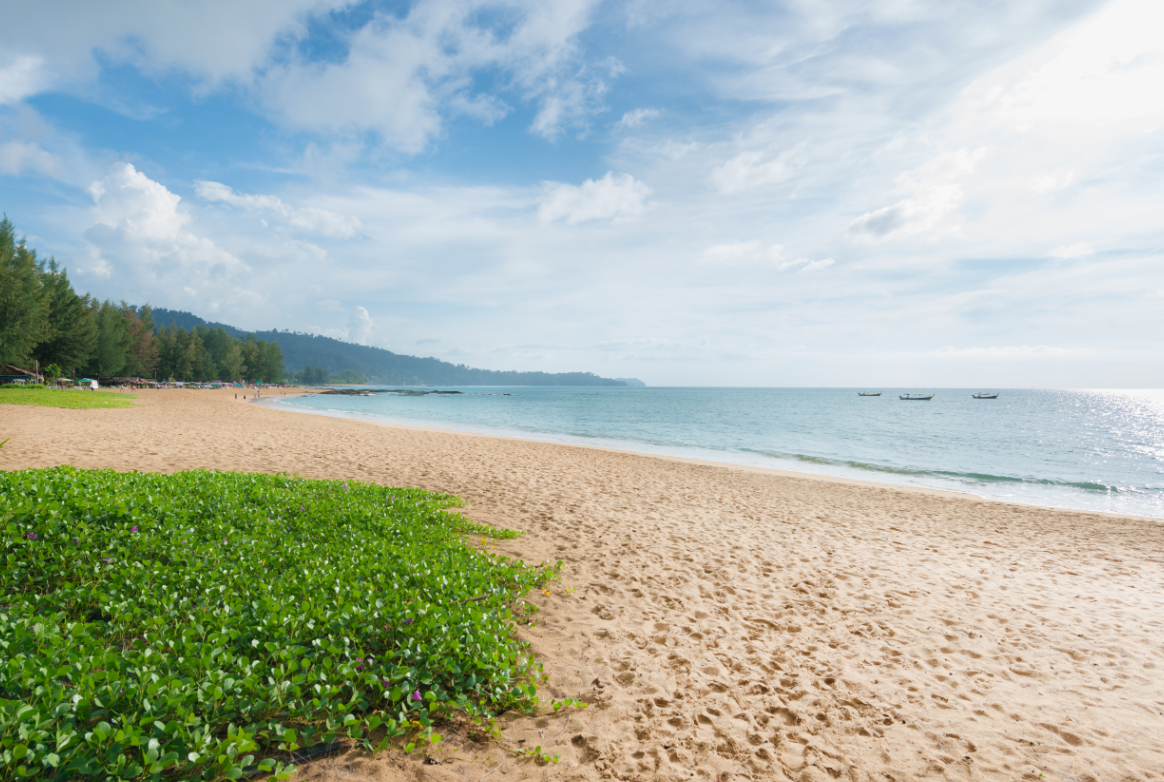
(380, 365)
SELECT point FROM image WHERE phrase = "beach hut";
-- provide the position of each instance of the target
(10, 373)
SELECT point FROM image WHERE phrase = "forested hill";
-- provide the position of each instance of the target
(379, 365)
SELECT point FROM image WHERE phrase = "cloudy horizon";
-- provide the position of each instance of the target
(790, 194)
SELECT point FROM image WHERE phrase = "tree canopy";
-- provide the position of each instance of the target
(43, 320)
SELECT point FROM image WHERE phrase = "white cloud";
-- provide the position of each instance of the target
(571, 101)
(755, 169)
(1003, 351)
(1077, 250)
(140, 235)
(806, 265)
(25, 75)
(305, 218)
(1048, 183)
(727, 253)
(909, 215)
(739, 252)
(1107, 70)
(401, 76)
(18, 157)
(618, 198)
(360, 326)
(936, 191)
(636, 118)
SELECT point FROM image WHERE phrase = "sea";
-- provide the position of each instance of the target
(1100, 450)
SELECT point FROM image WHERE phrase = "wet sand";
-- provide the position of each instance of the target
(731, 623)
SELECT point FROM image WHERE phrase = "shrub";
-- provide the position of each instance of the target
(180, 624)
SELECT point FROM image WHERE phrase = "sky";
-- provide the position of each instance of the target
(894, 193)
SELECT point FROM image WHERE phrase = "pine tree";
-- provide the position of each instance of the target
(272, 361)
(112, 340)
(73, 336)
(231, 362)
(142, 354)
(24, 300)
(253, 363)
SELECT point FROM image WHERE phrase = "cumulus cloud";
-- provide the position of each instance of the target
(619, 198)
(360, 326)
(755, 169)
(140, 235)
(305, 218)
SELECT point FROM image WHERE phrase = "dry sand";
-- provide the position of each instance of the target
(733, 624)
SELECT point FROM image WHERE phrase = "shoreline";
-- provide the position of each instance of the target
(552, 438)
(727, 623)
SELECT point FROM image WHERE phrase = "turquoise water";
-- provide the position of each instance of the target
(1090, 450)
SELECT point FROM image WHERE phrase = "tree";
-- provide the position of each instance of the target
(253, 364)
(24, 300)
(314, 376)
(271, 360)
(186, 355)
(143, 353)
(231, 362)
(73, 334)
(113, 339)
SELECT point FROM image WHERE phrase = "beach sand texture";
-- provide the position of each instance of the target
(728, 623)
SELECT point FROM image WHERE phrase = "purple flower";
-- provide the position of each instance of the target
(224, 541)
(346, 487)
(133, 528)
(31, 535)
(302, 508)
(386, 683)
(416, 695)
(107, 559)
(407, 621)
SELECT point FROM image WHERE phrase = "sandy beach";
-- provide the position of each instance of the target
(729, 623)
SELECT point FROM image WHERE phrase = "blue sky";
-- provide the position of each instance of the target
(893, 193)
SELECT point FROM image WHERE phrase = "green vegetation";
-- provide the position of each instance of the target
(317, 376)
(70, 398)
(42, 319)
(183, 625)
(304, 352)
(204, 353)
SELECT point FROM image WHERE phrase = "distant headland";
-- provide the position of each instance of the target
(351, 363)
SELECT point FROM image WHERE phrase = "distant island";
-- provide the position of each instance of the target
(318, 360)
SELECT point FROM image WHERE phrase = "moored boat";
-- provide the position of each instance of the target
(862, 393)
(986, 395)
(915, 397)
